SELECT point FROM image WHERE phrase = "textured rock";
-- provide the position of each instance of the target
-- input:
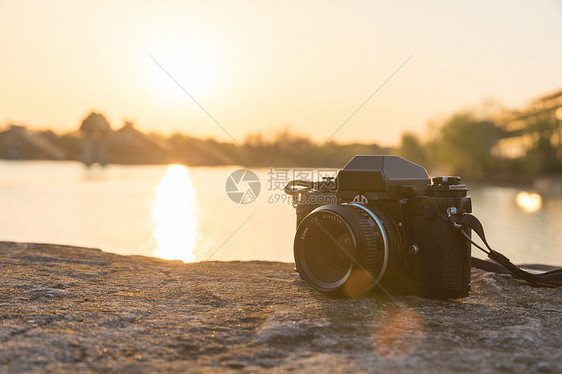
(76, 309)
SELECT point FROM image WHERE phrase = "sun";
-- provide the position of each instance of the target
(173, 62)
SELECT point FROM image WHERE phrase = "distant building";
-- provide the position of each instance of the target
(17, 143)
(130, 146)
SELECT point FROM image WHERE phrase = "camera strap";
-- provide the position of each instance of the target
(459, 220)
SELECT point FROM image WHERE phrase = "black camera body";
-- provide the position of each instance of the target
(382, 223)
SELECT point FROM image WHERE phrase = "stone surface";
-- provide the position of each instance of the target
(70, 309)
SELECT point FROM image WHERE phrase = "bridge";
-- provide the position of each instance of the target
(534, 133)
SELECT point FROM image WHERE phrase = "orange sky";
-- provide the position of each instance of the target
(262, 66)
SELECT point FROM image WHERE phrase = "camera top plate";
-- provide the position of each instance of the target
(383, 176)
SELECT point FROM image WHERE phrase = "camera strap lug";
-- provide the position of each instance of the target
(451, 212)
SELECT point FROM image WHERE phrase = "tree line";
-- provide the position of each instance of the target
(462, 144)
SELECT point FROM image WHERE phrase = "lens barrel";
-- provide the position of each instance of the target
(337, 244)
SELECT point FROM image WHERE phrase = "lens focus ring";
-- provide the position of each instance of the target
(380, 229)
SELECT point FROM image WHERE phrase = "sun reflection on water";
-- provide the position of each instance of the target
(176, 227)
(529, 202)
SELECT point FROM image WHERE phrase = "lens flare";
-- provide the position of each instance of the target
(529, 202)
(358, 283)
(399, 333)
(176, 226)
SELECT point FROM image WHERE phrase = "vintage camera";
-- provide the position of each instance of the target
(382, 222)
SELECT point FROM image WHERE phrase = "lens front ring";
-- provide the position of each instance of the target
(383, 234)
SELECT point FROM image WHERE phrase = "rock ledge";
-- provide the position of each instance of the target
(69, 309)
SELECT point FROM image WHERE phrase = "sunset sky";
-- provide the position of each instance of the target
(266, 65)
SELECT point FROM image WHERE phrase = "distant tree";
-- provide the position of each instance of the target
(96, 132)
(285, 148)
(70, 143)
(412, 149)
(95, 126)
(464, 144)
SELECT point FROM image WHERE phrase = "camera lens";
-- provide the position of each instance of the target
(335, 241)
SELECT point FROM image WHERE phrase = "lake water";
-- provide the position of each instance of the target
(183, 213)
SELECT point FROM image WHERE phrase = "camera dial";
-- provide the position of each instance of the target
(446, 187)
(449, 181)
